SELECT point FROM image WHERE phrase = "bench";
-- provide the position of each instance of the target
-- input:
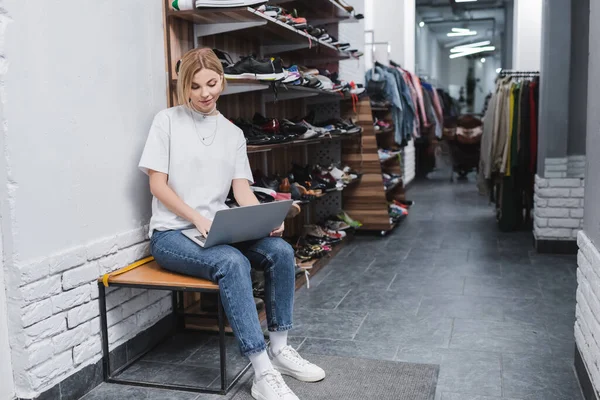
(147, 274)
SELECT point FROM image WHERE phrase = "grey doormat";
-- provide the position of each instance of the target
(362, 379)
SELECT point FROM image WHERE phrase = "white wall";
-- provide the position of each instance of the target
(429, 56)
(527, 35)
(486, 73)
(457, 75)
(6, 372)
(84, 83)
(397, 27)
(353, 33)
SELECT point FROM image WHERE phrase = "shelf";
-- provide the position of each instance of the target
(394, 186)
(380, 109)
(390, 160)
(319, 263)
(275, 36)
(384, 131)
(319, 12)
(268, 147)
(289, 92)
(284, 92)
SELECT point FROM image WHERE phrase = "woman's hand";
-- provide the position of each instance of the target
(202, 224)
(279, 231)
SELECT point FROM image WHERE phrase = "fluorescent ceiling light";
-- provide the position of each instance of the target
(474, 50)
(470, 45)
(460, 30)
(469, 33)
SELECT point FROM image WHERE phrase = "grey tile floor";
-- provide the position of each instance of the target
(447, 288)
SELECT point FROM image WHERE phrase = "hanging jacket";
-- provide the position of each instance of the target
(392, 94)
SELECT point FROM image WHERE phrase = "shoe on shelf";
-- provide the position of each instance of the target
(251, 68)
(289, 362)
(343, 216)
(224, 57)
(271, 11)
(271, 386)
(227, 3)
(345, 6)
(293, 74)
(337, 225)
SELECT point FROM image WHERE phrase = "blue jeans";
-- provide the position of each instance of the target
(229, 266)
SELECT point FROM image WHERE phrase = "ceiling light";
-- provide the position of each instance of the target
(421, 24)
(464, 1)
(498, 70)
(469, 33)
(482, 59)
(474, 50)
(470, 45)
(460, 30)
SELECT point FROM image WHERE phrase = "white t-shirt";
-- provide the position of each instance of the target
(200, 174)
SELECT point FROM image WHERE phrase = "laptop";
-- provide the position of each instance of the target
(239, 224)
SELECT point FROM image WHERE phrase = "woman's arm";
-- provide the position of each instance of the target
(161, 190)
(242, 193)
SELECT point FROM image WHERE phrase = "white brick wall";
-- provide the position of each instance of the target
(576, 166)
(558, 211)
(57, 324)
(408, 162)
(587, 325)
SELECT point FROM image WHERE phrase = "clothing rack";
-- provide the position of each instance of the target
(517, 74)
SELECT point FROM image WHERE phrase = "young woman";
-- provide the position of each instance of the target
(193, 156)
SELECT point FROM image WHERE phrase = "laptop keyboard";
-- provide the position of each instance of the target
(201, 238)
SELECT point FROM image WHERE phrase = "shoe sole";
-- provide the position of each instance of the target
(257, 395)
(301, 378)
(258, 77)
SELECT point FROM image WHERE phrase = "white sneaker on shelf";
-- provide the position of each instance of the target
(290, 363)
(271, 386)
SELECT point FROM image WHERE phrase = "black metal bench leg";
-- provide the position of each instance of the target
(222, 349)
(104, 333)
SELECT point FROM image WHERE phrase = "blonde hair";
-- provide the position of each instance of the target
(192, 62)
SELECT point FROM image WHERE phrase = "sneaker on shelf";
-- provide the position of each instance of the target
(343, 216)
(345, 5)
(271, 386)
(227, 3)
(271, 11)
(251, 68)
(296, 22)
(224, 57)
(308, 133)
(289, 362)
(289, 128)
(337, 225)
(254, 136)
(292, 74)
(326, 83)
(269, 125)
(356, 89)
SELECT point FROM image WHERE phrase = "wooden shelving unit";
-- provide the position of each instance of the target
(367, 202)
(243, 31)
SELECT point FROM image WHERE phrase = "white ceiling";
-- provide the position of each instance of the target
(487, 17)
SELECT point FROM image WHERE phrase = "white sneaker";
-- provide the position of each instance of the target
(290, 363)
(271, 386)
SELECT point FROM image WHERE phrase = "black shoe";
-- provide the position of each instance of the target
(224, 57)
(251, 68)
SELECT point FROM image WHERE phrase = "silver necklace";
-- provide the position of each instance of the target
(203, 139)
